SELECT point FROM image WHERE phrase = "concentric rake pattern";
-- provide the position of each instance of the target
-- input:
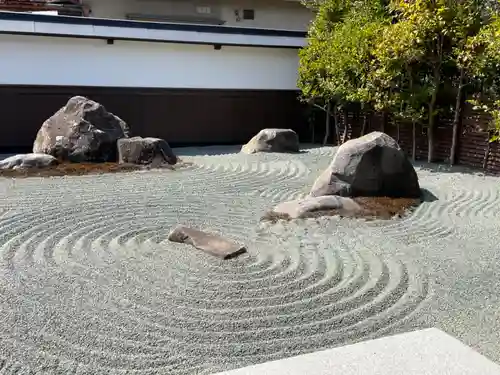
(89, 283)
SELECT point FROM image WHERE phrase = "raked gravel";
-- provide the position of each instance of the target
(89, 283)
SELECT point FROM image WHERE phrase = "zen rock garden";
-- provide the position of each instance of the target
(271, 247)
(368, 177)
(278, 248)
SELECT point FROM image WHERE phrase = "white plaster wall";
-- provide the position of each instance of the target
(35, 60)
(119, 8)
(272, 14)
(277, 14)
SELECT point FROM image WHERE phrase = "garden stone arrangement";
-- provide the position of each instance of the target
(81, 131)
(92, 284)
(83, 137)
(370, 166)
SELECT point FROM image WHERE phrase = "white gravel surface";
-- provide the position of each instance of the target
(89, 283)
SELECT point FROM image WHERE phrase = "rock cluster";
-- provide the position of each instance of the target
(370, 166)
(83, 131)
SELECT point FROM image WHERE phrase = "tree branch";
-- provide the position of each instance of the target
(323, 109)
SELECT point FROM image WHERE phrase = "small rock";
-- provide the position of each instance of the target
(273, 140)
(22, 161)
(207, 242)
(301, 208)
(145, 151)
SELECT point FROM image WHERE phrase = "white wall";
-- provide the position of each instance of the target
(35, 60)
(272, 14)
(119, 8)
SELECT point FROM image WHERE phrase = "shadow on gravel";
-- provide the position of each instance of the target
(427, 196)
(207, 150)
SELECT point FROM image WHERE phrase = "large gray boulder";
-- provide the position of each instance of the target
(145, 151)
(81, 131)
(24, 161)
(273, 140)
(373, 165)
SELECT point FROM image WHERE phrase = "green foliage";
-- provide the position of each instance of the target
(337, 58)
(394, 79)
(493, 109)
(483, 57)
(407, 57)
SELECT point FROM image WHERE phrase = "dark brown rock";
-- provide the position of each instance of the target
(81, 131)
(373, 166)
(207, 242)
(273, 140)
(145, 151)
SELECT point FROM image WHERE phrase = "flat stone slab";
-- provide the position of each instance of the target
(207, 242)
(303, 207)
(425, 352)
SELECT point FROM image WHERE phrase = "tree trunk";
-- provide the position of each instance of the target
(336, 120)
(432, 117)
(430, 142)
(311, 124)
(414, 141)
(384, 121)
(327, 124)
(456, 119)
(432, 104)
(365, 122)
(344, 136)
